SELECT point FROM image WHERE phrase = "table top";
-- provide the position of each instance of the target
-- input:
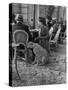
(37, 30)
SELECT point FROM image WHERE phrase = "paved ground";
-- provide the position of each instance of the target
(52, 73)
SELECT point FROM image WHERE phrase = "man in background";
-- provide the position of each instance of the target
(21, 26)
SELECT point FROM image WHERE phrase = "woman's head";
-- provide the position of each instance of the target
(42, 21)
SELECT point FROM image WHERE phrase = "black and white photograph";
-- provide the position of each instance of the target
(37, 44)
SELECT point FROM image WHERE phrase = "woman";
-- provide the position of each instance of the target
(44, 36)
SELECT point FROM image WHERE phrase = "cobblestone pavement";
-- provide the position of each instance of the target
(52, 73)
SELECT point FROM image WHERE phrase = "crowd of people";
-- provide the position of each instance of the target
(45, 26)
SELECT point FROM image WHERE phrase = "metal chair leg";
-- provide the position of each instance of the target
(16, 68)
(15, 62)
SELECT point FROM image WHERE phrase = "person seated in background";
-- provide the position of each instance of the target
(63, 26)
(55, 27)
(62, 33)
(21, 26)
(13, 19)
(48, 22)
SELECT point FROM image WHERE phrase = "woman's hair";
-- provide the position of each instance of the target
(42, 20)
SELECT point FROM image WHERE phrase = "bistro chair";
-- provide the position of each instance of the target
(20, 40)
(54, 42)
